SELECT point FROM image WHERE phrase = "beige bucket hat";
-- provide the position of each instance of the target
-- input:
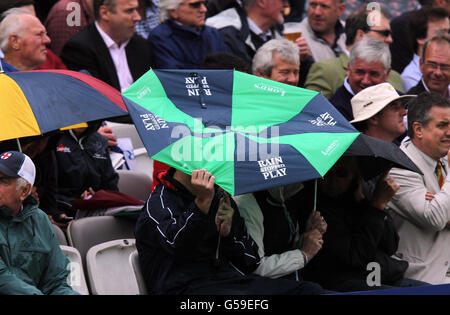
(372, 100)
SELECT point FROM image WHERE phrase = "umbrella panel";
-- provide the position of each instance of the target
(37, 102)
(164, 119)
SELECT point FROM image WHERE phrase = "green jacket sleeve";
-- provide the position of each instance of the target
(324, 78)
(10, 284)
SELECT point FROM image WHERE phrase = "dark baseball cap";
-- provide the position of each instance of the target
(16, 164)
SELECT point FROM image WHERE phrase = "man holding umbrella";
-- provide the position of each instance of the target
(271, 215)
(192, 240)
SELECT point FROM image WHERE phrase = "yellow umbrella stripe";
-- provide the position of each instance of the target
(16, 117)
(80, 125)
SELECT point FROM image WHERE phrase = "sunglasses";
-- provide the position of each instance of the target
(196, 5)
(384, 33)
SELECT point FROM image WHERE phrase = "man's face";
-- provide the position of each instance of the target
(32, 43)
(283, 71)
(363, 74)
(390, 119)
(380, 31)
(323, 14)
(273, 11)
(190, 13)
(122, 20)
(434, 138)
(10, 197)
(435, 67)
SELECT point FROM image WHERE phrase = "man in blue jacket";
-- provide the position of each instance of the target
(182, 40)
(192, 240)
(31, 261)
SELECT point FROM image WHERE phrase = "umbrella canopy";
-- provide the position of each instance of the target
(377, 156)
(36, 102)
(249, 132)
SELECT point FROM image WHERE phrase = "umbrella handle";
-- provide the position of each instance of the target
(315, 195)
(200, 91)
(18, 145)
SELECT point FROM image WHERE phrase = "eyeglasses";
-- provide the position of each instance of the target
(435, 66)
(196, 5)
(384, 33)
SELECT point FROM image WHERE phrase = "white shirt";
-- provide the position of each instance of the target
(348, 87)
(119, 58)
(411, 74)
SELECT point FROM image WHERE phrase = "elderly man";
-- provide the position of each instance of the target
(23, 40)
(278, 60)
(8, 4)
(435, 66)
(10, 7)
(323, 30)
(421, 207)
(369, 64)
(183, 40)
(269, 212)
(422, 25)
(378, 112)
(31, 261)
(108, 49)
(328, 75)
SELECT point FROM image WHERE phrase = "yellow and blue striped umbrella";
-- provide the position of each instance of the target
(35, 102)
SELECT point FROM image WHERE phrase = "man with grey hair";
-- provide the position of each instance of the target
(278, 60)
(23, 40)
(182, 40)
(109, 49)
(31, 261)
(369, 64)
(421, 207)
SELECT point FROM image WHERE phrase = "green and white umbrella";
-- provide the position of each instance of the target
(251, 133)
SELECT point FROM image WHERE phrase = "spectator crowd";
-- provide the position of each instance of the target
(385, 68)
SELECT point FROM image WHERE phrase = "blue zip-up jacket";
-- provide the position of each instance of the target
(175, 46)
(177, 243)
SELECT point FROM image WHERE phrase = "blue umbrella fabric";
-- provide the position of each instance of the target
(249, 132)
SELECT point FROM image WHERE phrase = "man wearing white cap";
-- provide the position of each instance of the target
(378, 112)
(31, 261)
